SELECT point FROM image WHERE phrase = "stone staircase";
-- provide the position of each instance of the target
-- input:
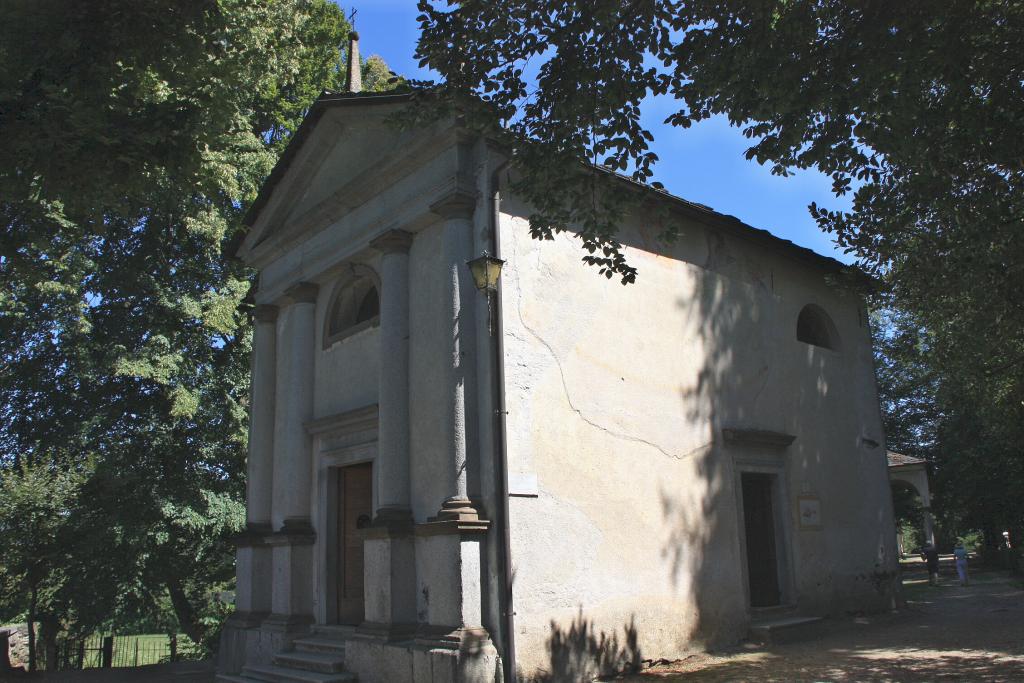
(777, 625)
(316, 658)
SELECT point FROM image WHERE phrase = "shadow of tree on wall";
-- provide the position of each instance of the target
(739, 366)
(581, 652)
(729, 313)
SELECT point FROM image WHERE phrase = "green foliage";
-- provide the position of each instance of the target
(33, 504)
(967, 424)
(135, 135)
(913, 109)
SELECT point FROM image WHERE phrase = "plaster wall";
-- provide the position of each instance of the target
(617, 397)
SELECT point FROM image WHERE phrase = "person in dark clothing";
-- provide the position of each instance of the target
(930, 554)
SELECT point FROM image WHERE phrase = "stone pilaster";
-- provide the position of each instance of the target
(292, 540)
(448, 565)
(253, 557)
(260, 465)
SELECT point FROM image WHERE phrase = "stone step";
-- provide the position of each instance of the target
(784, 629)
(329, 663)
(321, 644)
(339, 631)
(230, 678)
(280, 674)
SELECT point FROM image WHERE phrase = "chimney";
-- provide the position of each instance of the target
(353, 76)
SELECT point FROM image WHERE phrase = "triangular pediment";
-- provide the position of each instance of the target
(342, 156)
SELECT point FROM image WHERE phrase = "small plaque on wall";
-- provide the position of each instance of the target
(809, 511)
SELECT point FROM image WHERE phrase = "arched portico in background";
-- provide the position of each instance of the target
(914, 472)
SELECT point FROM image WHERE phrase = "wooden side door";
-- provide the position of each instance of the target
(355, 509)
(759, 525)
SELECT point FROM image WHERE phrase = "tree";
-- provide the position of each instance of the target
(33, 503)
(913, 109)
(135, 135)
(969, 431)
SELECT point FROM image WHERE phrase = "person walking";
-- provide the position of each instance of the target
(960, 556)
(931, 559)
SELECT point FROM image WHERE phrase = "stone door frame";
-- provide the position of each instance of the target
(771, 464)
(349, 438)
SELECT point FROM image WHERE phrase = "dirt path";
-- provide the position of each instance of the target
(945, 633)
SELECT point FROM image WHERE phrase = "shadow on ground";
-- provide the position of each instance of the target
(947, 632)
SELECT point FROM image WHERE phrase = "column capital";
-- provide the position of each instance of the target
(392, 241)
(302, 293)
(265, 313)
(456, 204)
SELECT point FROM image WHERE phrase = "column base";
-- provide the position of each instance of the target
(390, 522)
(462, 638)
(293, 531)
(240, 619)
(287, 623)
(459, 509)
(254, 535)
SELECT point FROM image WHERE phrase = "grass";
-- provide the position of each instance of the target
(140, 650)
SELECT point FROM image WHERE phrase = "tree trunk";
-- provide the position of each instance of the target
(49, 627)
(184, 612)
(32, 628)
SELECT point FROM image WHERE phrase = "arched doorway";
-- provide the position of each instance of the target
(908, 477)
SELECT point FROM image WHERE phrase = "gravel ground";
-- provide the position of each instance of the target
(181, 672)
(946, 633)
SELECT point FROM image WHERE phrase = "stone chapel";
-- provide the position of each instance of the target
(551, 474)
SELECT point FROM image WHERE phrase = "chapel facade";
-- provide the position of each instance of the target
(553, 477)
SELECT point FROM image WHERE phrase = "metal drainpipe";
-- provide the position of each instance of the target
(500, 435)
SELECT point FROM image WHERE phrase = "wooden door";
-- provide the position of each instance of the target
(759, 524)
(355, 508)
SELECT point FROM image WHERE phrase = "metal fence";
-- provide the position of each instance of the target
(99, 651)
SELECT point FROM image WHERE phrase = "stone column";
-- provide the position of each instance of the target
(393, 389)
(448, 546)
(293, 533)
(389, 577)
(456, 250)
(253, 561)
(929, 526)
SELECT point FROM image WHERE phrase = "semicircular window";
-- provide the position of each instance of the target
(815, 327)
(354, 308)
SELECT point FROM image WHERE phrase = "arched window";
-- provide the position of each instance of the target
(355, 307)
(813, 326)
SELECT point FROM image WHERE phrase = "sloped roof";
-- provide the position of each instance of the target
(693, 209)
(898, 459)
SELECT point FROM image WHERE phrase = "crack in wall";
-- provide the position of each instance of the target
(561, 372)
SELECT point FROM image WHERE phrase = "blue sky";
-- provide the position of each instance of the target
(703, 164)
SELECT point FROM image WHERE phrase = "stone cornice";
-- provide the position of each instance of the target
(342, 423)
(392, 241)
(302, 293)
(757, 437)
